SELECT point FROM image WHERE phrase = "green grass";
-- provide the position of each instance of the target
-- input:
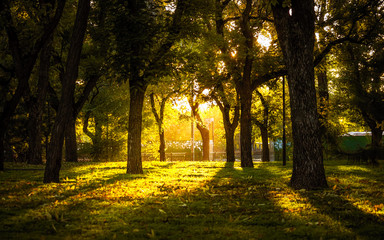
(190, 200)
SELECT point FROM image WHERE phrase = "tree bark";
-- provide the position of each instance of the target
(204, 131)
(23, 63)
(70, 141)
(265, 142)
(244, 85)
(65, 110)
(263, 126)
(295, 32)
(246, 127)
(137, 94)
(36, 107)
(159, 120)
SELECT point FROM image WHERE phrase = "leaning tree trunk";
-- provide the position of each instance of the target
(296, 36)
(137, 94)
(204, 132)
(65, 110)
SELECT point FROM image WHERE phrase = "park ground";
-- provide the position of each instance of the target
(190, 200)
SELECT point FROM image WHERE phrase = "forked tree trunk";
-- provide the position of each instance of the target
(295, 28)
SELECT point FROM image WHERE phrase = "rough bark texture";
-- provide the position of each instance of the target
(65, 110)
(137, 93)
(296, 37)
(246, 128)
(244, 85)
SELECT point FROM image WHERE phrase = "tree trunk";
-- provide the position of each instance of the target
(230, 144)
(97, 140)
(204, 132)
(322, 82)
(70, 141)
(162, 147)
(36, 106)
(296, 36)
(265, 142)
(137, 94)
(65, 110)
(377, 135)
(34, 152)
(245, 86)
(246, 128)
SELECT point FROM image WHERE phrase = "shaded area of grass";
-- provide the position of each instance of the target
(190, 200)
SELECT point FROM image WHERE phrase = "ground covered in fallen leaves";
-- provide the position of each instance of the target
(190, 200)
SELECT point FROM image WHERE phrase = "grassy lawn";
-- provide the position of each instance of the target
(190, 200)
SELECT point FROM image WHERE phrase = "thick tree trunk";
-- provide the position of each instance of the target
(296, 36)
(244, 86)
(70, 141)
(246, 129)
(137, 93)
(65, 110)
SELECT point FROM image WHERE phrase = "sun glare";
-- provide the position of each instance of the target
(264, 41)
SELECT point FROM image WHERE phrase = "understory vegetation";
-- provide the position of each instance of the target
(190, 200)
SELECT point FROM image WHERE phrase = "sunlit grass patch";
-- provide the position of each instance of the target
(190, 200)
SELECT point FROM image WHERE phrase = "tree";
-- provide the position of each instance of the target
(144, 37)
(203, 129)
(363, 75)
(295, 29)
(263, 126)
(24, 57)
(65, 109)
(226, 105)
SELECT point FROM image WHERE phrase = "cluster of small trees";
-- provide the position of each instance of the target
(98, 65)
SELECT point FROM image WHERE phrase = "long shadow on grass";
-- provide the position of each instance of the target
(43, 209)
